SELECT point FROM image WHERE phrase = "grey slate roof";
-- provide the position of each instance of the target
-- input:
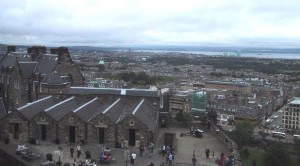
(27, 68)
(31, 109)
(144, 112)
(46, 63)
(62, 108)
(66, 79)
(115, 110)
(90, 109)
(10, 59)
(142, 92)
(53, 78)
(129, 92)
(238, 84)
(3, 112)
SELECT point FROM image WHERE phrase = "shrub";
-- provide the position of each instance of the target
(184, 117)
(246, 152)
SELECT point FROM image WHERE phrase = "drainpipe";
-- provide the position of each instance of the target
(28, 126)
(116, 135)
(86, 133)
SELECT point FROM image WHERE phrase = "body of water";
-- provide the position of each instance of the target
(215, 53)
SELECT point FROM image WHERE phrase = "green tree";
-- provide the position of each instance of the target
(184, 116)
(297, 148)
(243, 132)
(277, 154)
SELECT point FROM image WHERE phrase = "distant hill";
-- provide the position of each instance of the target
(3, 47)
(257, 50)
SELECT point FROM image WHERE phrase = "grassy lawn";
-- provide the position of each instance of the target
(258, 156)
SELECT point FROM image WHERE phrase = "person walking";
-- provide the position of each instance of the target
(163, 150)
(170, 159)
(78, 150)
(221, 160)
(133, 157)
(72, 151)
(207, 152)
(126, 156)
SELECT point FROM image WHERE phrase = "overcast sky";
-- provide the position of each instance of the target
(150, 22)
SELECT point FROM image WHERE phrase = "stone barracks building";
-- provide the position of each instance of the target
(113, 117)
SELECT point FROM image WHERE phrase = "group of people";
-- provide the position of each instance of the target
(223, 160)
(84, 163)
(166, 150)
(131, 156)
(105, 154)
(78, 149)
(147, 149)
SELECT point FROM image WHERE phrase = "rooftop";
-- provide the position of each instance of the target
(296, 101)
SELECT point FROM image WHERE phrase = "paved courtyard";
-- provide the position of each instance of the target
(183, 150)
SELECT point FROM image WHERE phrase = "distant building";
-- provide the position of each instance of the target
(198, 103)
(101, 66)
(291, 116)
(179, 103)
(241, 87)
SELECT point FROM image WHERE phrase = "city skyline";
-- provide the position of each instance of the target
(140, 22)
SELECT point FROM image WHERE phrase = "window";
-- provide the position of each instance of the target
(100, 120)
(71, 119)
(33, 86)
(16, 84)
(131, 122)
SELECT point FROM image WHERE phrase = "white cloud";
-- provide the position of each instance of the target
(135, 22)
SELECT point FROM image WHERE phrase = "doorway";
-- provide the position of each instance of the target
(131, 137)
(72, 134)
(43, 132)
(101, 135)
(16, 130)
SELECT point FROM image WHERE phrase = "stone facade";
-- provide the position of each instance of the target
(26, 77)
(101, 130)
(66, 66)
(43, 127)
(50, 124)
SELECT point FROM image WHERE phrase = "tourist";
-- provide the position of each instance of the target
(126, 155)
(163, 150)
(78, 150)
(222, 159)
(133, 157)
(170, 159)
(71, 151)
(207, 152)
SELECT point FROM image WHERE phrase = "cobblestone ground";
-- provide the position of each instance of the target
(183, 153)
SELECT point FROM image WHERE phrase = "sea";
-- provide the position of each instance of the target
(268, 55)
